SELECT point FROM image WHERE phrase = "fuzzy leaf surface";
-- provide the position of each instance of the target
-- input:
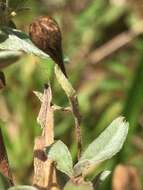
(60, 154)
(109, 142)
(16, 40)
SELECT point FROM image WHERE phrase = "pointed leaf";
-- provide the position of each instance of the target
(59, 153)
(19, 41)
(109, 142)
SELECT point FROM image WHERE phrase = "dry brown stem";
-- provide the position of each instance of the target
(44, 170)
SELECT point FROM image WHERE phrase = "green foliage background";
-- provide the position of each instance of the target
(106, 89)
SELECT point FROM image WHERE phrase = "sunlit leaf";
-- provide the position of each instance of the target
(109, 142)
(59, 153)
(19, 41)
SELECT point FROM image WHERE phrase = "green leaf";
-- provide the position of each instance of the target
(19, 41)
(59, 153)
(80, 186)
(23, 187)
(109, 142)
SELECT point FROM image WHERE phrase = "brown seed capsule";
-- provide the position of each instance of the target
(46, 35)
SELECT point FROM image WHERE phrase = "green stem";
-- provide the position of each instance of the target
(72, 96)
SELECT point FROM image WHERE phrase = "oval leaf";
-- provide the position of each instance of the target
(109, 142)
(23, 187)
(19, 41)
(82, 186)
(59, 153)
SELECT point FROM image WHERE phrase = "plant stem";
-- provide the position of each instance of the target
(72, 96)
(77, 117)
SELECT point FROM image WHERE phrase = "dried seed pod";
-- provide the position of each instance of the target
(46, 35)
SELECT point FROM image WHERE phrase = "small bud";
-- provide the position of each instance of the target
(46, 35)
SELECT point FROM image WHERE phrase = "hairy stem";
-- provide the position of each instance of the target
(72, 96)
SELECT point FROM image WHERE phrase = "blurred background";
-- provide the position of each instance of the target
(103, 49)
